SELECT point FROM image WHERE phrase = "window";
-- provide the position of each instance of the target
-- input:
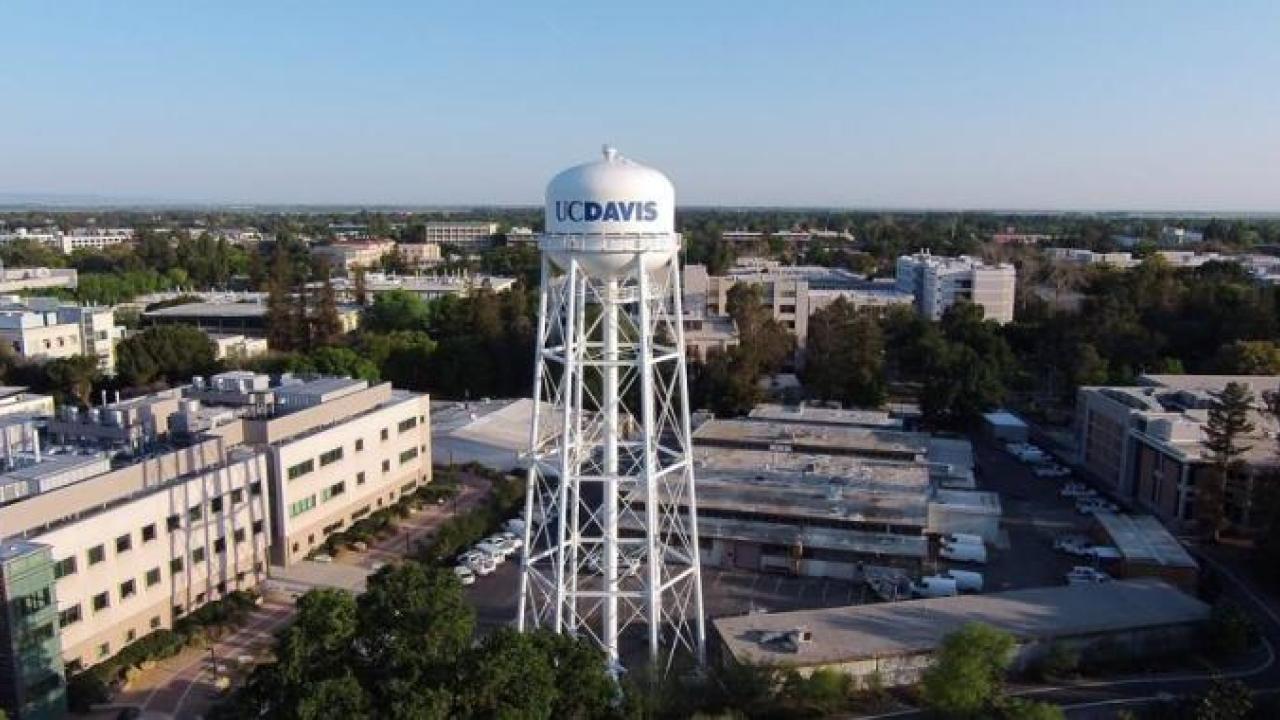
(200, 598)
(220, 545)
(177, 611)
(359, 444)
(408, 487)
(333, 491)
(104, 650)
(175, 566)
(131, 635)
(301, 469)
(237, 496)
(330, 457)
(301, 506)
(386, 466)
(153, 576)
(257, 527)
(408, 455)
(386, 433)
(70, 616)
(195, 513)
(97, 554)
(128, 589)
(360, 478)
(173, 522)
(255, 488)
(407, 425)
(65, 567)
(222, 588)
(101, 601)
(155, 623)
(124, 543)
(215, 505)
(148, 533)
(239, 535)
(197, 555)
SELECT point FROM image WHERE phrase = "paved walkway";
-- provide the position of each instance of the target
(184, 686)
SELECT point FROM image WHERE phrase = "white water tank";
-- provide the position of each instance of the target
(607, 213)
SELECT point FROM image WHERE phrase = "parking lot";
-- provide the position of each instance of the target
(1033, 515)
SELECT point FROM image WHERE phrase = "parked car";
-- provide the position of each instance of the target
(514, 526)
(505, 546)
(1084, 575)
(478, 562)
(963, 552)
(514, 539)
(1077, 490)
(465, 575)
(1091, 505)
(966, 580)
(494, 551)
(963, 539)
(1073, 545)
(934, 586)
(1103, 553)
(1051, 470)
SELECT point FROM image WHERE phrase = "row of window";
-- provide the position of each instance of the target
(152, 577)
(331, 456)
(124, 543)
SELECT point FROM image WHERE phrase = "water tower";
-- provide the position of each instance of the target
(611, 531)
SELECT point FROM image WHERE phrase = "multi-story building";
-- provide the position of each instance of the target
(229, 317)
(790, 237)
(791, 292)
(937, 283)
(427, 287)
(236, 347)
(346, 256)
(420, 255)
(466, 236)
(98, 551)
(339, 451)
(16, 280)
(1144, 444)
(47, 328)
(16, 401)
(76, 239)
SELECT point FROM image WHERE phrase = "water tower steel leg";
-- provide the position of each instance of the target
(609, 487)
(653, 584)
(568, 470)
(531, 478)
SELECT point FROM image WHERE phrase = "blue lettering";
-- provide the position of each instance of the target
(627, 210)
(650, 212)
(592, 212)
(610, 212)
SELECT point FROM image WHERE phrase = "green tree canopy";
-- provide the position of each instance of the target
(968, 672)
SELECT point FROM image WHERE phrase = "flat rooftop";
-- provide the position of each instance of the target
(211, 309)
(860, 542)
(847, 634)
(1143, 539)
(787, 437)
(811, 415)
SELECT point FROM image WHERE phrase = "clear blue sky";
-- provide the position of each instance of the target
(1111, 105)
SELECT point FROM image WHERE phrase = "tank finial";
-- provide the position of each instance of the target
(610, 152)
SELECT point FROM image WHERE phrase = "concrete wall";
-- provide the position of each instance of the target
(239, 565)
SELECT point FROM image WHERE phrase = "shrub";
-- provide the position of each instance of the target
(1230, 631)
(968, 672)
(85, 689)
(1058, 662)
(1020, 709)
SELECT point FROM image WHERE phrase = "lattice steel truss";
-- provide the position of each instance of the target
(611, 534)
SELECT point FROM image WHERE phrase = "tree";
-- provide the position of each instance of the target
(1224, 700)
(280, 320)
(396, 310)
(171, 353)
(1228, 423)
(508, 677)
(844, 357)
(1022, 709)
(326, 326)
(360, 286)
(1250, 357)
(967, 675)
(72, 377)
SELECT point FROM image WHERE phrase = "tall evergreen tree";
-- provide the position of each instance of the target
(326, 326)
(1228, 423)
(281, 334)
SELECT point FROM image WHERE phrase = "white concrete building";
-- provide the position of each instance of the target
(420, 255)
(940, 282)
(237, 347)
(47, 328)
(467, 236)
(344, 257)
(15, 280)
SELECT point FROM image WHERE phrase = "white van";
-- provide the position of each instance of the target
(965, 553)
(934, 586)
(963, 539)
(966, 580)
